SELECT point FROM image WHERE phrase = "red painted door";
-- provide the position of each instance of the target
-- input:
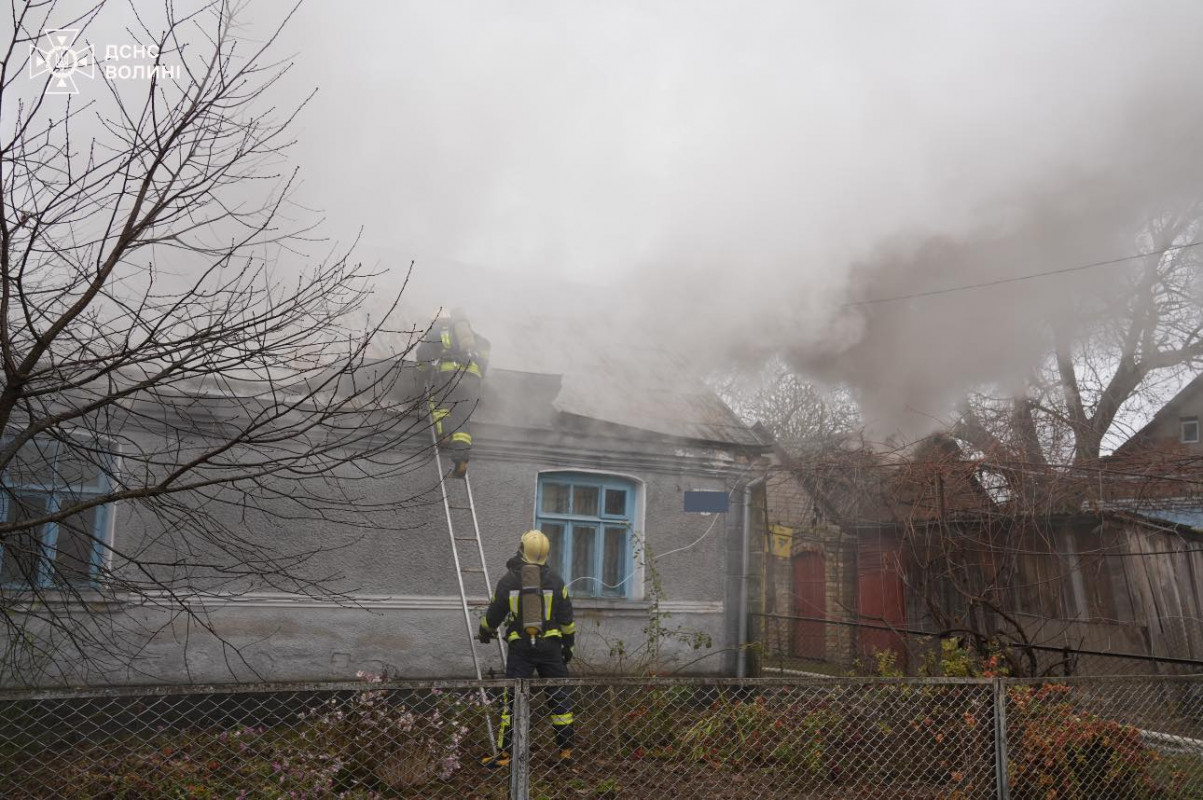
(810, 600)
(880, 598)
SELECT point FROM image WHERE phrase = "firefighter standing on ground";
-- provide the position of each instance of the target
(533, 602)
(458, 356)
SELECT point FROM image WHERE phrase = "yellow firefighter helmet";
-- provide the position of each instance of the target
(534, 547)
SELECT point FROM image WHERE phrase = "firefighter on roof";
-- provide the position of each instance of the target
(533, 602)
(455, 358)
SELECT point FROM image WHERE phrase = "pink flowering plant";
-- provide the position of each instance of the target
(395, 738)
(382, 741)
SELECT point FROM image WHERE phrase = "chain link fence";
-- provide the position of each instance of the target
(1139, 737)
(1104, 737)
(760, 739)
(339, 740)
(811, 646)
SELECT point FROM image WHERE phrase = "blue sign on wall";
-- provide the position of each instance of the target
(707, 502)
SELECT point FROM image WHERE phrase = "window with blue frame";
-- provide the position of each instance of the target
(47, 476)
(589, 520)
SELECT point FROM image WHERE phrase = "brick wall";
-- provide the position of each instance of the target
(790, 506)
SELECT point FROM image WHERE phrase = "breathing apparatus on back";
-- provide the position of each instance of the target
(533, 549)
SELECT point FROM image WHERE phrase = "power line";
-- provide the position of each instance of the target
(1018, 278)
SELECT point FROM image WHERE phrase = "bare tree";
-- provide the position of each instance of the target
(169, 353)
(1128, 343)
(964, 548)
(1120, 351)
(985, 516)
(798, 413)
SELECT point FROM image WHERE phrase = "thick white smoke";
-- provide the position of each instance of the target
(740, 173)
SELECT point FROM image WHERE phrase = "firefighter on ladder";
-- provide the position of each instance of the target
(533, 601)
(458, 356)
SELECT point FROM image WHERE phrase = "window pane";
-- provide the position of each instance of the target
(584, 501)
(614, 560)
(616, 502)
(554, 531)
(555, 499)
(22, 549)
(74, 548)
(584, 546)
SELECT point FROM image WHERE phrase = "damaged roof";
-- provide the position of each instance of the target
(545, 331)
(636, 385)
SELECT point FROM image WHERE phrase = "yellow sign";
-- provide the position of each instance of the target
(782, 539)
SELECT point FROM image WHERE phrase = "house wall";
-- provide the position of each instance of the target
(1122, 586)
(399, 606)
(1111, 582)
(1162, 571)
(790, 506)
(1116, 585)
(1164, 432)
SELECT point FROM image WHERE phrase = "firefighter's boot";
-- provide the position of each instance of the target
(497, 760)
(460, 470)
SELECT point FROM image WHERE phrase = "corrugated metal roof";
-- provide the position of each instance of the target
(1191, 517)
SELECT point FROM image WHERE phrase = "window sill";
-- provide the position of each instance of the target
(610, 604)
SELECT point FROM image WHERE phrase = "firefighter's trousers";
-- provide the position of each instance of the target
(546, 658)
(452, 406)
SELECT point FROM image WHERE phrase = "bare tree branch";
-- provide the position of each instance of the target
(170, 354)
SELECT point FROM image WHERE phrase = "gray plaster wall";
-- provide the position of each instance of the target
(389, 596)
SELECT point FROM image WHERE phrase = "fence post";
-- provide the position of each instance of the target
(1001, 779)
(520, 762)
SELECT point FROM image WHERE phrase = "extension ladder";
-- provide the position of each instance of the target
(463, 561)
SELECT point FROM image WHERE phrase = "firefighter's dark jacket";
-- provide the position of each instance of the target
(447, 342)
(557, 606)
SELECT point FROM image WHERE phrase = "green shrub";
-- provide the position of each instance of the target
(734, 734)
(651, 728)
